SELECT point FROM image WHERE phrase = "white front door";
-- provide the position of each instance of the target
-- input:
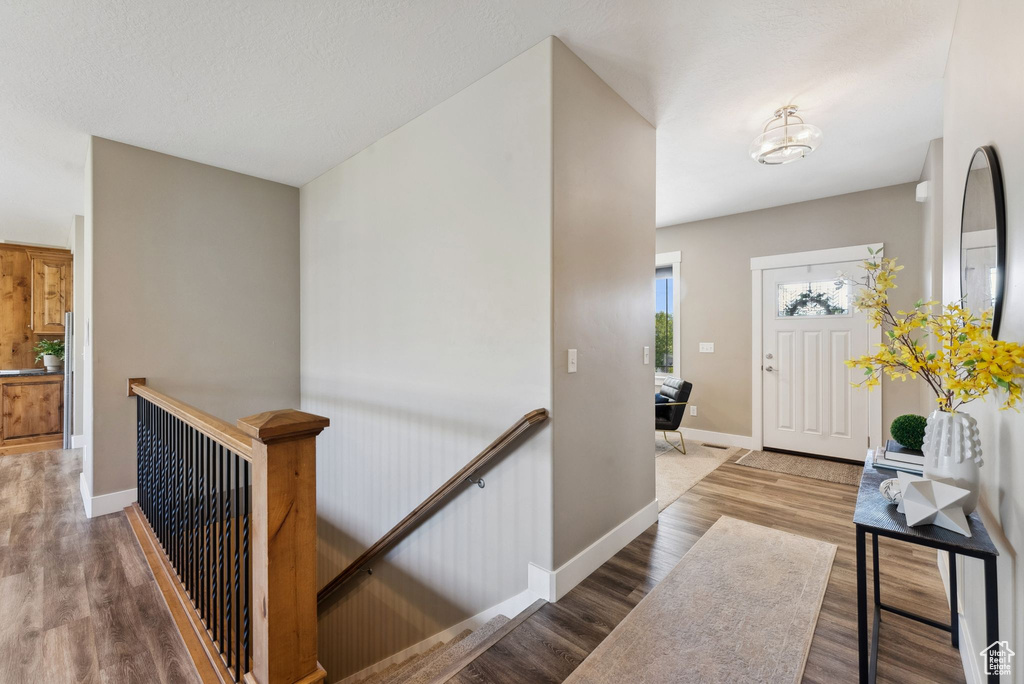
(809, 330)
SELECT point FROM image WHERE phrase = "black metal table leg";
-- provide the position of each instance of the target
(954, 610)
(862, 607)
(874, 562)
(991, 609)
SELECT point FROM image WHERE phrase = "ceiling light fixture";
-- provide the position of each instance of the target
(785, 138)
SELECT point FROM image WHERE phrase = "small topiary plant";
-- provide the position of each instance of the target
(908, 430)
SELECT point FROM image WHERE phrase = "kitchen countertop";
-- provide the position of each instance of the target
(27, 372)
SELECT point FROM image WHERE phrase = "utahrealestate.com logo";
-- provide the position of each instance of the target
(997, 658)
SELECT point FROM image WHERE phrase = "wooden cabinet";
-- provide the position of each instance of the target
(31, 413)
(51, 291)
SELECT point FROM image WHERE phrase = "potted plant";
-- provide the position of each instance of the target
(953, 351)
(51, 353)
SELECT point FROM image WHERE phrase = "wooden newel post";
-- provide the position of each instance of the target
(284, 622)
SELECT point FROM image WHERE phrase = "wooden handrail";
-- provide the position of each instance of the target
(424, 509)
(220, 431)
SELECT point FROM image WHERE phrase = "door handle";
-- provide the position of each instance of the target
(769, 369)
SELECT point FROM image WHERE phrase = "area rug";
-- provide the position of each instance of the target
(675, 472)
(740, 606)
(804, 466)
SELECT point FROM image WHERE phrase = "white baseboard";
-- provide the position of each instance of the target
(554, 584)
(77, 441)
(104, 504)
(723, 438)
(968, 654)
(86, 495)
(509, 608)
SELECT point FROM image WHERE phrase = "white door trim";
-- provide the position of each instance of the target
(820, 256)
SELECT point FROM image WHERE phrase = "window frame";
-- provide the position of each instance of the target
(661, 260)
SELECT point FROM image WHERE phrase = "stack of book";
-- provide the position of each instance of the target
(895, 456)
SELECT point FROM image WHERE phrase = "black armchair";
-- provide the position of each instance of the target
(669, 414)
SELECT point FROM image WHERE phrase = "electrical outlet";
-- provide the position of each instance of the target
(707, 347)
(647, 356)
(693, 410)
(572, 360)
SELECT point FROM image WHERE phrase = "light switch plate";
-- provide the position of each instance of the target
(647, 355)
(572, 360)
(693, 410)
(707, 347)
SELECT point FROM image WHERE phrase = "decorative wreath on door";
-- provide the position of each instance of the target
(807, 302)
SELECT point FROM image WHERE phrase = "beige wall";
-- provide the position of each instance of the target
(426, 331)
(984, 105)
(602, 253)
(715, 290)
(193, 272)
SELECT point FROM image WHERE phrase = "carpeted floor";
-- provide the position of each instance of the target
(804, 466)
(675, 472)
(741, 606)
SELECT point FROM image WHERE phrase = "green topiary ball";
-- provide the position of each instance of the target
(908, 430)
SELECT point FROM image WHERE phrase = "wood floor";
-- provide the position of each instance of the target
(77, 600)
(555, 639)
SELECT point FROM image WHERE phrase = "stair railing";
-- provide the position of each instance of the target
(226, 516)
(426, 508)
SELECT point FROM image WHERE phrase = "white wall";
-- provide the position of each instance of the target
(984, 105)
(192, 282)
(426, 331)
(603, 251)
(446, 270)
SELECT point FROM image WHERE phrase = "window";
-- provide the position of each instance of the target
(664, 329)
(816, 298)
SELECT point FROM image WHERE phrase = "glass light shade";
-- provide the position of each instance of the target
(786, 143)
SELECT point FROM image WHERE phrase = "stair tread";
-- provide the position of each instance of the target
(388, 673)
(412, 665)
(430, 671)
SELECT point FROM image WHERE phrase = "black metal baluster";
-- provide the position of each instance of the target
(172, 538)
(165, 490)
(140, 491)
(179, 436)
(138, 450)
(175, 498)
(189, 513)
(207, 521)
(147, 446)
(220, 543)
(161, 478)
(247, 594)
(238, 567)
(229, 602)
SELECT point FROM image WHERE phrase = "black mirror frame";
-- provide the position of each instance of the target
(1000, 202)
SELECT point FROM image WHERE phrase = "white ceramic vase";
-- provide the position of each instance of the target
(952, 453)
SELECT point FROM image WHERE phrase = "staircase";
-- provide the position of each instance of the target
(444, 661)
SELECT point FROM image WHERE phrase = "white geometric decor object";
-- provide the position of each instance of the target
(928, 502)
(952, 453)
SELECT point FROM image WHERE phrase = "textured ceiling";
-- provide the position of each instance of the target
(286, 90)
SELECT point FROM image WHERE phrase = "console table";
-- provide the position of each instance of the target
(878, 517)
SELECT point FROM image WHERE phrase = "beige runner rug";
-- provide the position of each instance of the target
(740, 606)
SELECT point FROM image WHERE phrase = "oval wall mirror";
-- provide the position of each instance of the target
(983, 237)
